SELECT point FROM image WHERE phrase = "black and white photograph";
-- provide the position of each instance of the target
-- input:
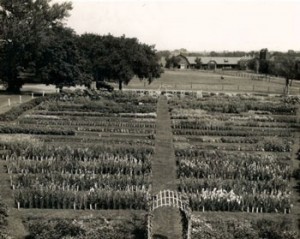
(149, 119)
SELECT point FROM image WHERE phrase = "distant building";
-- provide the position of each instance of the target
(206, 62)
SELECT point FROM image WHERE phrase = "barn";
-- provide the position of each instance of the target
(205, 62)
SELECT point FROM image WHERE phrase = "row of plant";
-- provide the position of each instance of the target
(54, 129)
(112, 165)
(217, 164)
(33, 129)
(254, 117)
(194, 152)
(214, 124)
(81, 182)
(236, 228)
(242, 144)
(87, 95)
(236, 133)
(88, 122)
(151, 115)
(269, 187)
(222, 200)
(234, 104)
(101, 141)
(42, 152)
(53, 198)
(101, 106)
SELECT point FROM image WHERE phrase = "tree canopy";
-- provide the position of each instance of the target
(61, 62)
(34, 43)
(119, 59)
(26, 27)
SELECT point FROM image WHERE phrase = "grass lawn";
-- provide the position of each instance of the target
(209, 81)
(14, 101)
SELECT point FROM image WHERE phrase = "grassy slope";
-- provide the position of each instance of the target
(14, 99)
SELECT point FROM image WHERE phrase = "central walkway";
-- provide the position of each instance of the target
(167, 220)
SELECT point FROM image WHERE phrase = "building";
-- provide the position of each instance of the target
(212, 63)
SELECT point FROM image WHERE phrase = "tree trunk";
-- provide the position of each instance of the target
(286, 88)
(120, 85)
(14, 86)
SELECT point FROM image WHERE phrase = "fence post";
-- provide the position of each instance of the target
(9, 102)
(20, 99)
(43, 93)
(32, 95)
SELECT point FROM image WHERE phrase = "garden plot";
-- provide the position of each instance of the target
(233, 152)
(78, 152)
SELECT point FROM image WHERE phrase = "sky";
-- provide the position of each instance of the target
(203, 25)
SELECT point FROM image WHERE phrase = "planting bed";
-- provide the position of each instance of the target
(81, 151)
(233, 154)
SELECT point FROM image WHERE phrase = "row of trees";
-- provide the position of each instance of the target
(35, 45)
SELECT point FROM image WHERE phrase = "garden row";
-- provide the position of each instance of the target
(213, 138)
(91, 171)
(98, 178)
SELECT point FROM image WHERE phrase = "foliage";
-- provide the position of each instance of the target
(232, 228)
(25, 30)
(3, 219)
(61, 63)
(86, 228)
(198, 63)
(172, 62)
(119, 59)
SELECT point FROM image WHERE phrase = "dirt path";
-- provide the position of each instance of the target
(15, 226)
(166, 220)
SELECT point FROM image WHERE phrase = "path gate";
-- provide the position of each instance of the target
(173, 199)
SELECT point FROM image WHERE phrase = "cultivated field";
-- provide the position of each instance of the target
(92, 164)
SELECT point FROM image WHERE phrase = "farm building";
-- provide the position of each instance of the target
(190, 62)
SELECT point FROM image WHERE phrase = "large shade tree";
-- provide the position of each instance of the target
(119, 59)
(61, 63)
(25, 29)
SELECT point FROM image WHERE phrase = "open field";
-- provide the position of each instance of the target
(210, 81)
(97, 161)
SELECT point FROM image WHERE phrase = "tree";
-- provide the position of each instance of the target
(287, 67)
(61, 62)
(198, 63)
(119, 59)
(172, 62)
(26, 27)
